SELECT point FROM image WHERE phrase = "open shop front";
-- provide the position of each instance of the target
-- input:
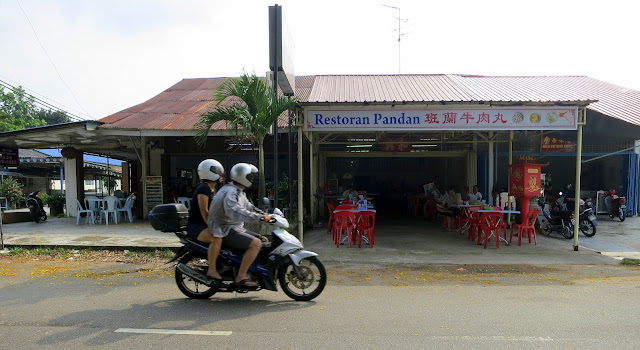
(392, 154)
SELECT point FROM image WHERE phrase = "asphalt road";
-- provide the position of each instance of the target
(71, 305)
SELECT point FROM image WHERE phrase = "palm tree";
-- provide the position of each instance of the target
(250, 110)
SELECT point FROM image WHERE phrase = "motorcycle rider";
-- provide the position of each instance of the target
(211, 174)
(229, 210)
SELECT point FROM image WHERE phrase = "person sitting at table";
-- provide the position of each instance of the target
(352, 192)
(475, 195)
(464, 195)
(447, 209)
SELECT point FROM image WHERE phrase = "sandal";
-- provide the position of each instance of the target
(212, 281)
(247, 283)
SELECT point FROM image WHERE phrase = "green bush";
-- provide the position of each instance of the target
(44, 198)
(11, 189)
(56, 204)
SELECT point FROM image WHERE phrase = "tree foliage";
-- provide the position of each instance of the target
(17, 110)
(250, 110)
(53, 117)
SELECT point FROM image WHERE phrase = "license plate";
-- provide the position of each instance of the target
(592, 217)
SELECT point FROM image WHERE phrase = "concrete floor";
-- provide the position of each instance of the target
(400, 240)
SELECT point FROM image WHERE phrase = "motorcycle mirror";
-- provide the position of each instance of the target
(266, 202)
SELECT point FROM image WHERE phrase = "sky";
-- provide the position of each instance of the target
(94, 57)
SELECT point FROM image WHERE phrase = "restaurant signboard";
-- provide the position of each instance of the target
(9, 157)
(491, 118)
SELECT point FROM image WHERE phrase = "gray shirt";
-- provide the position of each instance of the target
(229, 209)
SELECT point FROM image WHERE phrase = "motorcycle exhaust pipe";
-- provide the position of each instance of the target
(195, 275)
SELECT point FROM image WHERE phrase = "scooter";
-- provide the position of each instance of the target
(301, 275)
(559, 219)
(36, 207)
(616, 205)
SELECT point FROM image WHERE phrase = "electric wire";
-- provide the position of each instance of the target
(43, 104)
(50, 60)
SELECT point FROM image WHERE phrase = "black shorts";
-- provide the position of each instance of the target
(239, 239)
(193, 230)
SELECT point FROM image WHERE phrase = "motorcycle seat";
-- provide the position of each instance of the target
(561, 213)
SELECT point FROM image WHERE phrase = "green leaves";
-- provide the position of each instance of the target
(17, 110)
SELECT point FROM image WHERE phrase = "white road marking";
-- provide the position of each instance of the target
(170, 331)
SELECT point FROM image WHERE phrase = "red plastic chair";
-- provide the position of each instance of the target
(430, 210)
(473, 221)
(331, 208)
(526, 227)
(365, 224)
(345, 207)
(345, 222)
(491, 224)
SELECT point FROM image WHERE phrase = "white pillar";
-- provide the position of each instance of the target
(300, 187)
(576, 208)
(71, 178)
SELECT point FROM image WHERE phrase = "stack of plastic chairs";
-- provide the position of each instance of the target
(344, 224)
(365, 224)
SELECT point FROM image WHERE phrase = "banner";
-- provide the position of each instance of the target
(489, 118)
(556, 145)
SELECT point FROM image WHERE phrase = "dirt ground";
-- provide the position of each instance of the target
(109, 265)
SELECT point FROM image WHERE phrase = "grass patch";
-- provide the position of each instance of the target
(630, 262)
(80, 253)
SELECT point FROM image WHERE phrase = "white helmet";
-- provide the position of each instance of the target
(243, 173)
(210, 169)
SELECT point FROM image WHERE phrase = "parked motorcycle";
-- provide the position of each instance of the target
(559, 218)
(587, 219)
(301, 274)
(616, 205)
(36, 207)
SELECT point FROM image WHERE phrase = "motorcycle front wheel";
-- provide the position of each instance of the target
(587, 228)
(314, 278)
(189, 287)
(621, 214)
(567, 232)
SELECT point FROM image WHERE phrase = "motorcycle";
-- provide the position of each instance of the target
(559, 219)
(300, 273)
(36, 207)
(587, 219)
(616, 205)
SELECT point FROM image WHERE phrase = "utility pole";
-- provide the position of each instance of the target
(399, 30)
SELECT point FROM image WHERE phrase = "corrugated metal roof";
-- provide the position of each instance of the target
(179, 107)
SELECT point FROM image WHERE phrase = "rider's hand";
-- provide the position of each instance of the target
(265, 218)
(264, 239)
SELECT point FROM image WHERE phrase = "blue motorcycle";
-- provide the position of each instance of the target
(300, 273)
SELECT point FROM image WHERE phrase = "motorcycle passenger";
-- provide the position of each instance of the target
(211, 175)
(229, 210)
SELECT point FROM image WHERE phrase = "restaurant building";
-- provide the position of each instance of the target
(384, 134)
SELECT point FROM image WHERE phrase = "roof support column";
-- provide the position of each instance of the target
(491, 167)
(144, 164)
(510, 198)
(300, 181)
(313, 176)
(74, 175)
(576, 207)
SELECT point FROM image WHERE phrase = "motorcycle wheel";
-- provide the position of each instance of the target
(567, 232)
(587, 228)
(44, 217)
(621, 215)
(189, 287)
(310, 286)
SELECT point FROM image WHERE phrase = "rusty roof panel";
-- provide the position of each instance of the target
(179, 107)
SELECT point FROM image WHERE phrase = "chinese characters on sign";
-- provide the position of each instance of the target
(555, 145)
(9, 157)
(491, 118)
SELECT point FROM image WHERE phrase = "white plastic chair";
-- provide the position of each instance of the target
(186, 201)
(90, 217)
(92, 203)
(128, 205)
(112, 206)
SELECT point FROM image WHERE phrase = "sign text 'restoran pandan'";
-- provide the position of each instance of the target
(492, 118)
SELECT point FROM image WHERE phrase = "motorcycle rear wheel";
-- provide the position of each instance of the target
(189, 287)
(312, 284)
(621, 215)
(587, 228)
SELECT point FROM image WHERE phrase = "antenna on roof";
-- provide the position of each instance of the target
(399, 30)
